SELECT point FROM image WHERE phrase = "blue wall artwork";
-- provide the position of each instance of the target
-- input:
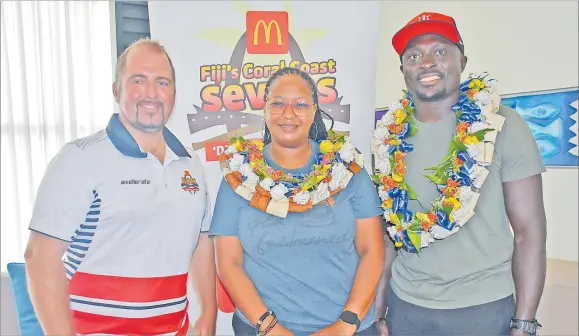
(551, 116)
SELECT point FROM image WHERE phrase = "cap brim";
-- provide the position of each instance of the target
(406, 34)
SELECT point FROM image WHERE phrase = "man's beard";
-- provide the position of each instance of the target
(148, 127)
(431, 98)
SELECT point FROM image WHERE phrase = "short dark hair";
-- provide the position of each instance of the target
(318, 129)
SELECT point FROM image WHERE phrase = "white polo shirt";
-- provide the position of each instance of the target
(132, 225)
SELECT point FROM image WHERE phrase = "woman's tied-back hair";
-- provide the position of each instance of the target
(318, 128)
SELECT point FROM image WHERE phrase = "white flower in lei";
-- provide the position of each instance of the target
(381, 133)
(348, 151)
(339, 173)
(384, 167)
(236, 161)
(476, 126)
(251, 181)
(382, 151)
(475, 149)
(230, 150)
(278, 192)
(482, 99)
(321, 193)
(388, 118)
(246, 170)
(465, 194)
(302, 197)
(266, 183)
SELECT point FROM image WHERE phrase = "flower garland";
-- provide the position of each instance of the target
(277, 192)
(458, 177)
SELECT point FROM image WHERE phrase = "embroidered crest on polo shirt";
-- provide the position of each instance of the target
(135, 181)
(189, 183)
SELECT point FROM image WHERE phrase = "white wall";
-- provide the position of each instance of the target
(526, 46)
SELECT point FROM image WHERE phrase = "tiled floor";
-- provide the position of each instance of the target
(558, 310)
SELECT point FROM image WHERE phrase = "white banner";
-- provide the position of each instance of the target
(224, 52)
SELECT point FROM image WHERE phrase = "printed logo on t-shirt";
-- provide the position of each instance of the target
(189, 183)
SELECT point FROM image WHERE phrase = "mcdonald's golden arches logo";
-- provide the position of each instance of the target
(267, 32)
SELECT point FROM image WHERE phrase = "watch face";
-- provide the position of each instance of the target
(348, 317)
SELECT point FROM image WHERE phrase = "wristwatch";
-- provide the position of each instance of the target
(529, 326)
(350, 318)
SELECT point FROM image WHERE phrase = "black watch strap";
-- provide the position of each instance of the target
(350, 318)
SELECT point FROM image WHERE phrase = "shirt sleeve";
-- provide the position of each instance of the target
(64, 195)
(365, 201)
(226, 213)
(519, 154)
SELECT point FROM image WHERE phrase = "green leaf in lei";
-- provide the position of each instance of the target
(235, 139)
(480, 135)
(411, 193)
(456, 144)
(415, 226)
(415, 239)
(376, 178)
(392, 162)
(447, 209)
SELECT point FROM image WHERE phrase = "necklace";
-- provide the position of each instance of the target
(457, 178)
(276, 192)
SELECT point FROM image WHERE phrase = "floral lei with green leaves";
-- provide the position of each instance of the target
(457, 178)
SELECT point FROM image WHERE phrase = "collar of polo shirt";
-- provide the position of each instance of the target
(126, 144)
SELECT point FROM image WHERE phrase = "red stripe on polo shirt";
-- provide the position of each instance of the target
(86, 323)
(128, 289)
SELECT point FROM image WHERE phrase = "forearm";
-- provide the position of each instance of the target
(381, 292)
(243, 292)
(365, 283)
(529, 267)
(48, 288)
(203, 275)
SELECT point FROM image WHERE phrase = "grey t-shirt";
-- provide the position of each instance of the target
(303, 266)
(472, 266)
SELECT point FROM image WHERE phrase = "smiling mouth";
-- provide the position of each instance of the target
(288, 128)
(150, 105)
(430, 79)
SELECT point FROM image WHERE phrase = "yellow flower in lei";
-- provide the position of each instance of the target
(400, 116)
(471, 140)
(258, 144)
(237, 145)
(326, 146)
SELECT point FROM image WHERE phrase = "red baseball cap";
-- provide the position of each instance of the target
(427, 23)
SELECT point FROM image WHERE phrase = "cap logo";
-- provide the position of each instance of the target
(423, 17)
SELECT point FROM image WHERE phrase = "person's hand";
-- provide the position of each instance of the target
(204, 326)
(280, 330)
(337, 328)
(381, 327)
(518, 332)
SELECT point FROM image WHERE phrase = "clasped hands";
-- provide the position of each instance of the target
(338, 328)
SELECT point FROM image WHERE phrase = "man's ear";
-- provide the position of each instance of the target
(463, 62)
(116, 92)
(401, 68)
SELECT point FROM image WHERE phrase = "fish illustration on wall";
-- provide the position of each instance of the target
(547, 147)
(553, 130)
(552, 118)
(544, 111)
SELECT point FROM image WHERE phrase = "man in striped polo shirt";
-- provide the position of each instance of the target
(121, 219)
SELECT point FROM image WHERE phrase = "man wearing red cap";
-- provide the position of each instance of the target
(455, 167)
